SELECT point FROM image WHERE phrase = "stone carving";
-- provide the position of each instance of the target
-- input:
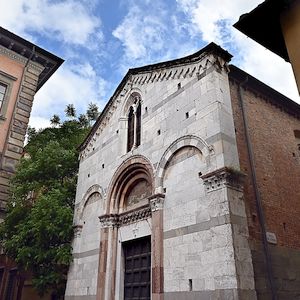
(223, 177)
(77, 230)
(125, 218)
(134, 216)
(108, 221)
(157, 202)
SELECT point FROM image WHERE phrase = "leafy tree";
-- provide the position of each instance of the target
(92, 112)
(55, 120)
(83, 120)
(70, 111)
(37, 230)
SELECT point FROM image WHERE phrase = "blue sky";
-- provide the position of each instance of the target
(101, 39)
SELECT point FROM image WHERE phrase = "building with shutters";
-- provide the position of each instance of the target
(188, 187)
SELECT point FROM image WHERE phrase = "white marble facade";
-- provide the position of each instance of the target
(187, 131)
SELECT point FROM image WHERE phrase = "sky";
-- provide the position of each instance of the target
(101, 39)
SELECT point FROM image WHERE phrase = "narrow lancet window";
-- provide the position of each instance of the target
(130, 136)
(138, 124)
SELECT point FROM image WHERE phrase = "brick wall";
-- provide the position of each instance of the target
(277, 164)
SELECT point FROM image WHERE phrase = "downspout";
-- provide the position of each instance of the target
(16, 103)
(258, 200)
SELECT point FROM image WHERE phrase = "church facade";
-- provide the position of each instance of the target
(165, 205)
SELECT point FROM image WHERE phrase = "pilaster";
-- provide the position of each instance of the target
(157, 204)
(228, 183)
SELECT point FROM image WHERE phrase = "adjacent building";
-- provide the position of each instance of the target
(188, 188)
(275, 24)
(24, 68)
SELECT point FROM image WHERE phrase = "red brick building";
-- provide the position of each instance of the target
(269, 154)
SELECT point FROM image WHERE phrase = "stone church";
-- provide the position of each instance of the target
(188, 188)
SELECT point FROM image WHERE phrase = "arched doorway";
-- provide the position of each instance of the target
(131, 235)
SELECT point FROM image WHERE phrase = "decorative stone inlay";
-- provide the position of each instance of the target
(223, 177)
(157, 202)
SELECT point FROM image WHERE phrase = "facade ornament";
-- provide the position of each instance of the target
(107, 221)
(224, 177)
(77, 230)
(157, 202)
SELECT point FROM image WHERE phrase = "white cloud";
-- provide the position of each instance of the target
(77, 84)
(69, 21)
(149, 33)
(138, 32)
(213, 20)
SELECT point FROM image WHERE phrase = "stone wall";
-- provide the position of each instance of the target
(187, 132)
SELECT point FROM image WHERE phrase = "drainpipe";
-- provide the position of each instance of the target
(258, 200)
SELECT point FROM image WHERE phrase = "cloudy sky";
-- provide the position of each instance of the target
(101, 39)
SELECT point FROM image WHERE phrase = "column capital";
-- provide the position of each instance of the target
(107, 221)
(224, 177)
(156, 202)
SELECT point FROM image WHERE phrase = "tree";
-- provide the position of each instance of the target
(92, 112)
(83, 120)
(37, 230)
(55, 120)
(70, 111)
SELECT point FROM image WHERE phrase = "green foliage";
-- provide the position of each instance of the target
(92, 112)
(55, 120)
(70, 111)
(37, 230)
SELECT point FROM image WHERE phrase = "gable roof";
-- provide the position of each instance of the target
(211, 48)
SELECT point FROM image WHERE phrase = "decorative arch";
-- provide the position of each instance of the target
(185, 141)
(133, 170)
(96, 188)
(134, 96)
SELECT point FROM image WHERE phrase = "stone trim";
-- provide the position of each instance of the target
(213, 222)
(212, 294)
(224, 177)
(86, 297)
(132, 216)
(138, 164)
(86, 253)
(184, 141)
(96, 188)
